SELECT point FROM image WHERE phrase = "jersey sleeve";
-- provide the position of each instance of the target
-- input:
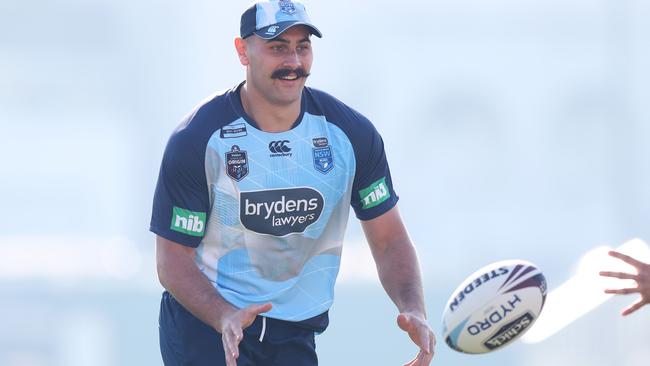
(372, 190)
(181, 201)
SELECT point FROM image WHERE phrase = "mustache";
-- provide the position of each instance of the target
(280, 73)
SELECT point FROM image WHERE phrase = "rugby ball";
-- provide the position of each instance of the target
(494, 306)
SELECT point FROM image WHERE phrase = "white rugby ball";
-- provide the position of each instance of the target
(494, 306)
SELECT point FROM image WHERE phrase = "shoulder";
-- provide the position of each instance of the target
(198, 126)
(355, 125)
(351, 121)
(211, 113)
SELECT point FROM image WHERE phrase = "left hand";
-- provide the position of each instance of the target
(421, 334)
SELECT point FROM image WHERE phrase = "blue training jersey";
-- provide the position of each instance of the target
(265, 211)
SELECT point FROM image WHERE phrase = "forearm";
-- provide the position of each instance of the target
(399, 273)
(180, 276)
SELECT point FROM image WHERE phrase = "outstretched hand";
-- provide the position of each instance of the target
(642, 279)
(232, 329)
(421, 334)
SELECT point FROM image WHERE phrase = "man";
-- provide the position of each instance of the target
(252, 202)
(642, 279)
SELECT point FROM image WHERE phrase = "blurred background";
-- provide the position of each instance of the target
(514, 129)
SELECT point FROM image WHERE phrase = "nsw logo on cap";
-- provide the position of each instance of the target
(287, 6)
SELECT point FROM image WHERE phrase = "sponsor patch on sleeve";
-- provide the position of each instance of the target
(375, 194)
(188, 222)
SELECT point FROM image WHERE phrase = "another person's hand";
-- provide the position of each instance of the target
(421, 334)
(642, 279)
(232, 329)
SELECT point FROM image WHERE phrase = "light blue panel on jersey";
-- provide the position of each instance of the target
(280, 207)
(294, 299)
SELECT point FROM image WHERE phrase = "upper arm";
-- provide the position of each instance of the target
(170, 256)
(181, 201)
(372, 190)
(167, 251)
(384, 230)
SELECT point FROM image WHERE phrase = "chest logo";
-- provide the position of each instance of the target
(322, 154)
(236, 163)
(280, 212)
(280, 148)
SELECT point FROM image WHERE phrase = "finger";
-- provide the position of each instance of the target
(231, 342)
(626, 258)
(424, 358)
(621, 291)
(621, 275)
(230, 361)
(419, 359)
(232, 351)
(432, 348)
(413, 362)
(634, 307)
(433, 344)
(404, 322)
(255, 310)
(259, 309)
(424, 340)
(231, 357)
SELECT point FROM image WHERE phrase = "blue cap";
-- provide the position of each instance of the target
(268, 19)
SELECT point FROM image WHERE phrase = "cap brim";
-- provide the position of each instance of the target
(275, 30)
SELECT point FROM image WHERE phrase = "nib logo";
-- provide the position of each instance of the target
(375, 194)
(188, 222)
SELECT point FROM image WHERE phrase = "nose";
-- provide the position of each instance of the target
(292, 59)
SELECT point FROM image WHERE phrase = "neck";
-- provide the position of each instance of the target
(270, 117)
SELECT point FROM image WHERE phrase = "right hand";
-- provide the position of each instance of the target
(232, 329)
(421, 334)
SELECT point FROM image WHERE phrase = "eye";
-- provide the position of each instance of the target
(278, 48)
(303, 48)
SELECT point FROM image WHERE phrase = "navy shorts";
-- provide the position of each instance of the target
(187, 341)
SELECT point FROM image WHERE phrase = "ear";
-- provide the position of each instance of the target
(241, 46)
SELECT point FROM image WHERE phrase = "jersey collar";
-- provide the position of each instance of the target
(234, 95)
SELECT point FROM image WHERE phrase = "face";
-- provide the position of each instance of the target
(277, 68)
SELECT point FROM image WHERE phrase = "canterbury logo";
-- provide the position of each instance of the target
(279, 147)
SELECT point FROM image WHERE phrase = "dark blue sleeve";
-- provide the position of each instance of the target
(372, 190)
(181, 201)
